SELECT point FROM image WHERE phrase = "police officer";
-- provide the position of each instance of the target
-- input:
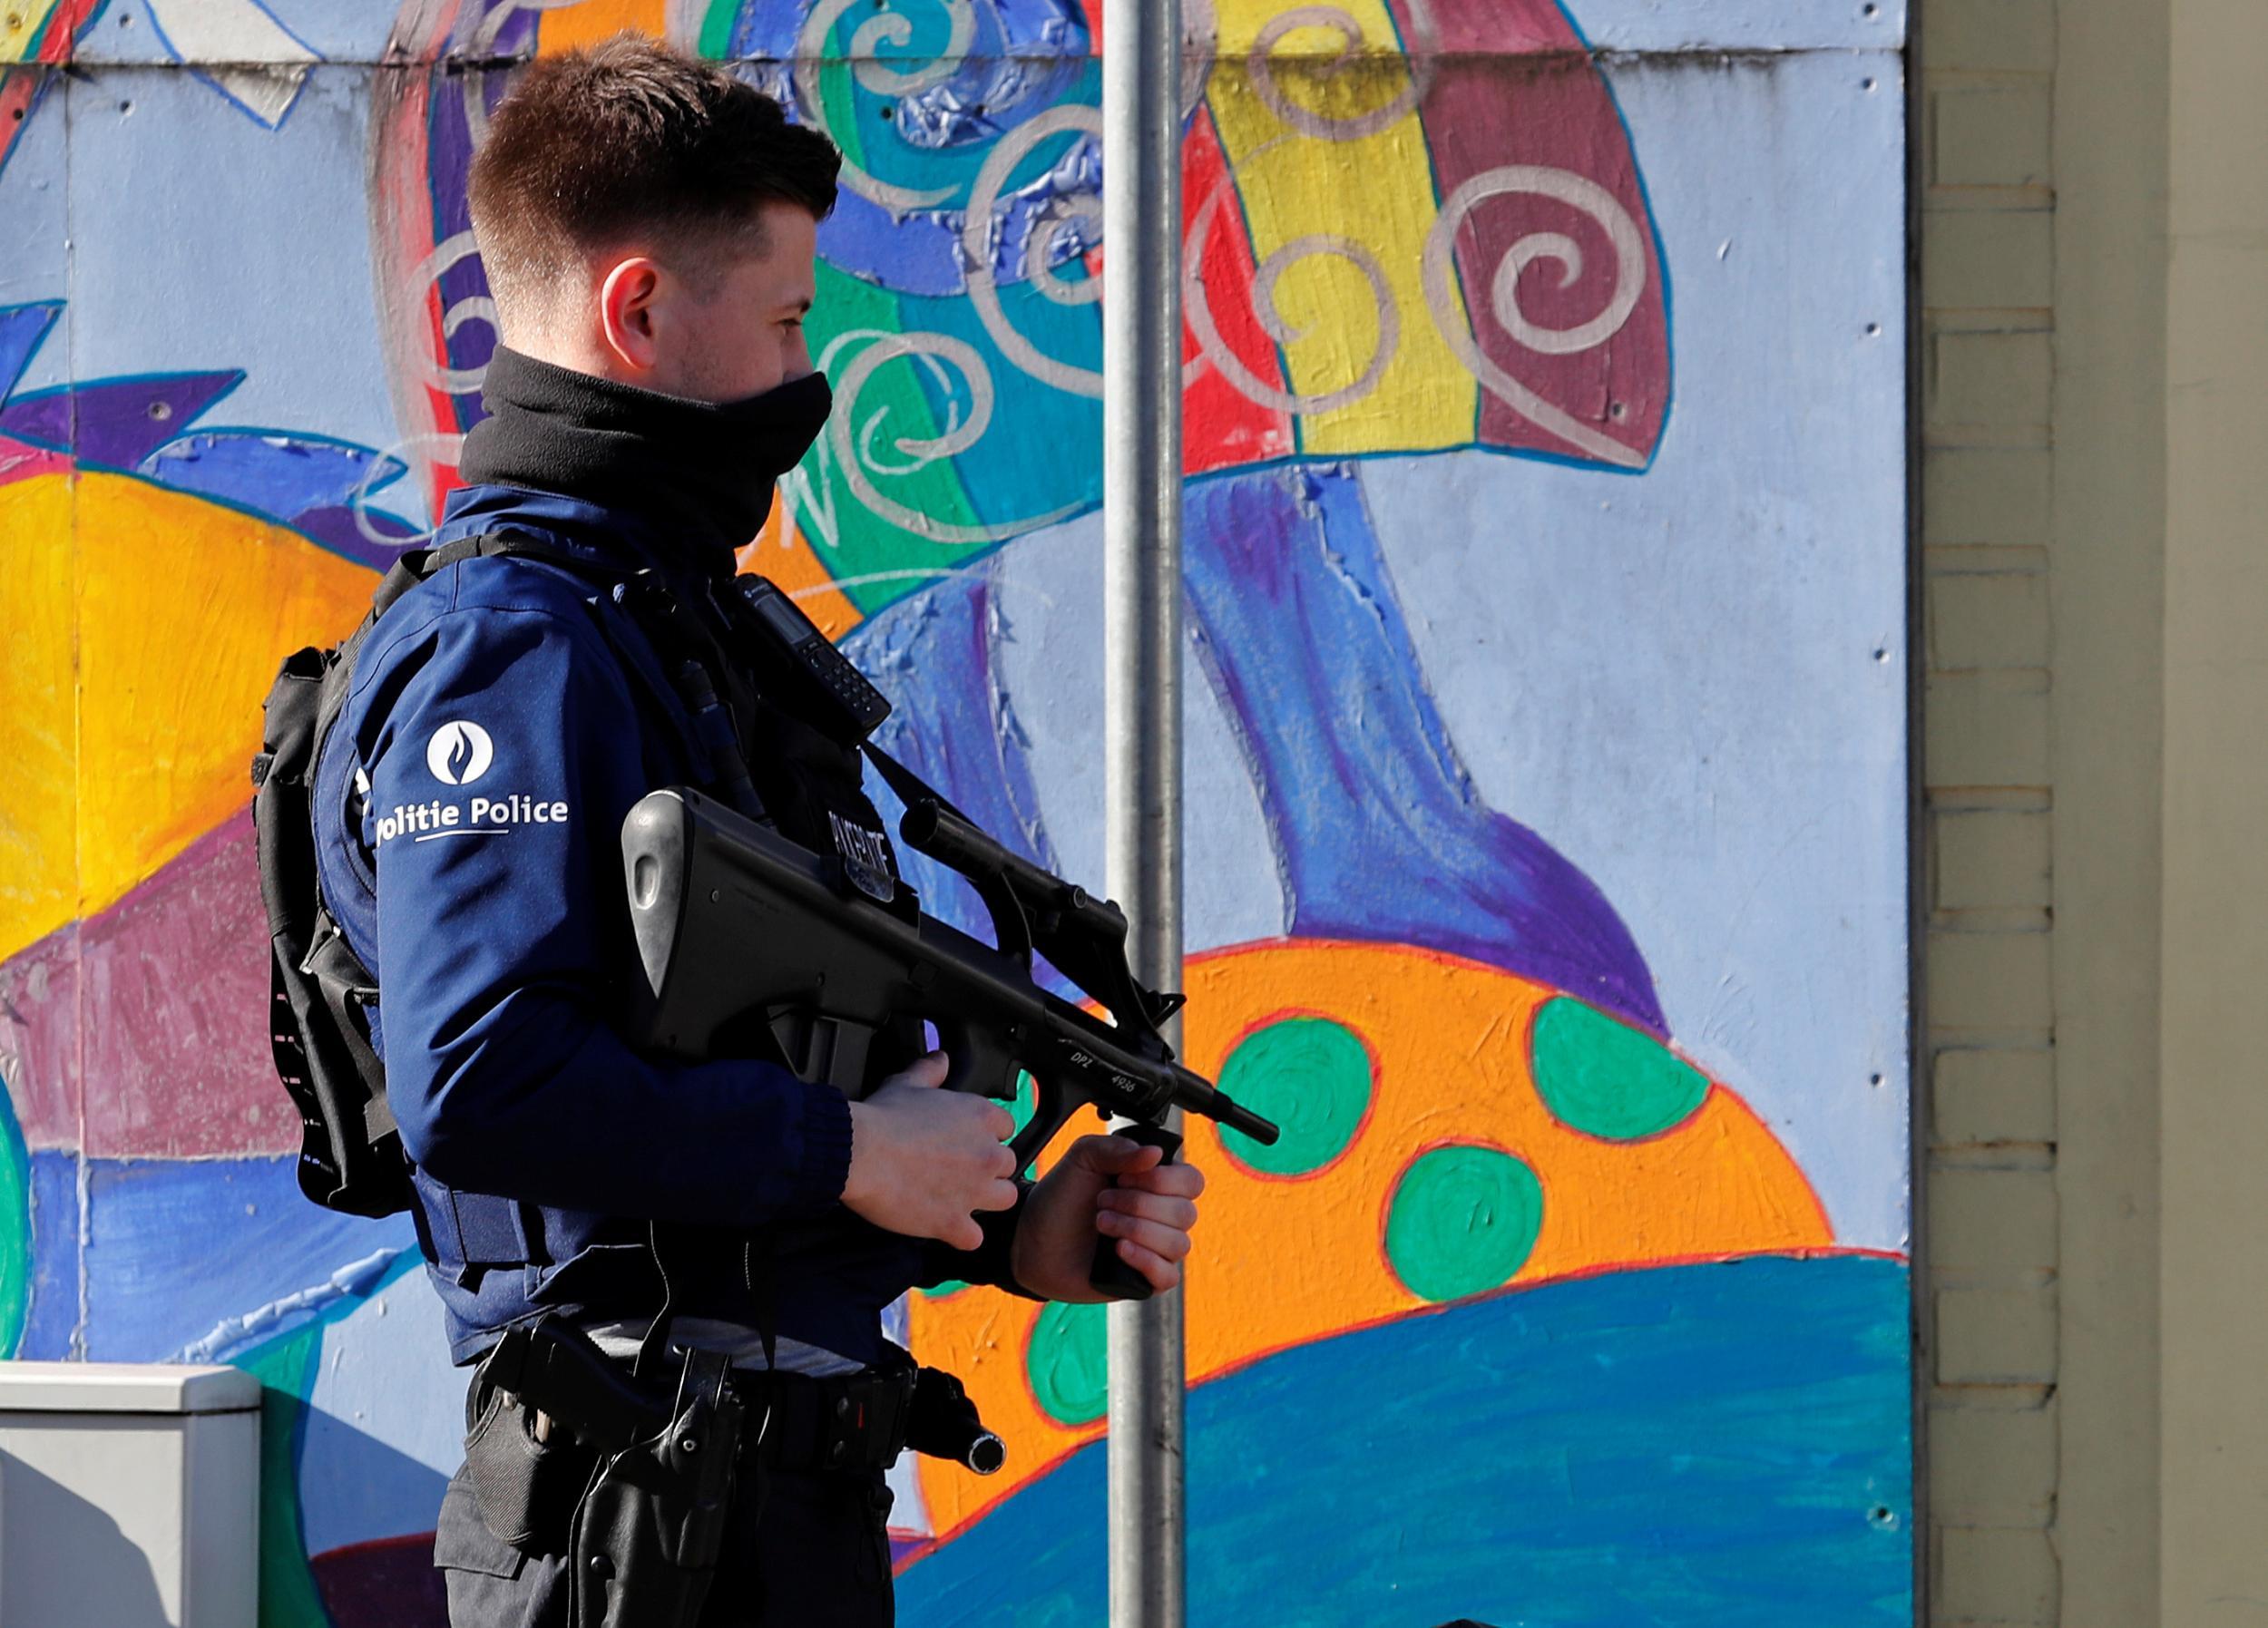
(647, 223)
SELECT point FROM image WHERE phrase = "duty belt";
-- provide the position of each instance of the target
(796, 1422)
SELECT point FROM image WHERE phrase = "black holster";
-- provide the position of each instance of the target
(632, 1486)
(646, 1536)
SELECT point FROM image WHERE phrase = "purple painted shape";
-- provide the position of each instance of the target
(39, 1038)
(335, 530)
(116, 423)
(1380, 834)
(173, 983)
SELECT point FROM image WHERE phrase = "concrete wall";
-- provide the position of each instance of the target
(1548, 573)
(2092, 257)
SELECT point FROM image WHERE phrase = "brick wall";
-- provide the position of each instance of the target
(1984, 107)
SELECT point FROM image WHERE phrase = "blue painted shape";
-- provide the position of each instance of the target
(277, 474)
(1024, 58)
(385, 1428)
(1711, 1444)
(23, 330)
(51, 1322)
(1381, 837)
(955, 727)
(176, 1248)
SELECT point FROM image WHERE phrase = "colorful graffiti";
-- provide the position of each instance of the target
(1545, 745)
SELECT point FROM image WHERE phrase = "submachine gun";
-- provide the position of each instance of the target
(736, 925)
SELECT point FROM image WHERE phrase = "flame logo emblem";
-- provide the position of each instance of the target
(459, 752)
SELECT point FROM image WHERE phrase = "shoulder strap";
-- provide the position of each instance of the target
(910, 787)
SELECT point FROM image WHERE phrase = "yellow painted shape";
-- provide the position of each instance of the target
(1286, 1260)
(21, 22)
(181, 610)
(783, 553)
(573, 26)
(1374, 192)
(39, 879)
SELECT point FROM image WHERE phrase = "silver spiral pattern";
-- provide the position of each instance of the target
(1214, 351)
(976, 248)
(857, 444)
(1629, 244)
(432, 447)
(891, 29)
(446, 254)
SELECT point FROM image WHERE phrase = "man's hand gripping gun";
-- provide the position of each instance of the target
(736, 925)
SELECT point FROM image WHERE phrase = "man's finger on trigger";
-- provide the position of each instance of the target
(998, 1196)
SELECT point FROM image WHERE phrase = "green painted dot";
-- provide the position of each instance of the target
(1068, 1360)
(1462, 1220)
(1606, 1079)
(1313, 1078)
(938, 1291)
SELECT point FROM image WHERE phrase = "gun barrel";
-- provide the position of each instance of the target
(930, 828)
(1235, 1117)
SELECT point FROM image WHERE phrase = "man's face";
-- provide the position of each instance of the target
(743, 334)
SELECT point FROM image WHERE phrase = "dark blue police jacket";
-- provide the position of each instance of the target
(502, 719)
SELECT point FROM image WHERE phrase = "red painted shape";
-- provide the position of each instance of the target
(1512, 83)
(20, 85)
(1222, 427)
(173, 983)
(403, 231)
(20, 460)
(63, 24)
(386, 1582)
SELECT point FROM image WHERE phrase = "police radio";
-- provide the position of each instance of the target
(829, 693)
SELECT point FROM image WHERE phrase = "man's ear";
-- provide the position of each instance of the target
(626, 312)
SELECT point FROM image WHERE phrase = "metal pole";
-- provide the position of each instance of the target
(1141, 502)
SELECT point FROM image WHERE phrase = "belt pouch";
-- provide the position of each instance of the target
(525, 1489)
(648, 1534)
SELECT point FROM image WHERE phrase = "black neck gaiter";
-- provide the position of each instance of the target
(700, 474)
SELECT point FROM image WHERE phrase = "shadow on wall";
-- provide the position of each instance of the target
(369, 1486)
(62, 1559)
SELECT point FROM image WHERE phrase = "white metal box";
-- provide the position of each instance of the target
(129, 1495)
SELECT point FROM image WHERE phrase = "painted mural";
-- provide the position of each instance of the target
(1545, 542)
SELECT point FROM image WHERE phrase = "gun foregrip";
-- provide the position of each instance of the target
(1110, 1273)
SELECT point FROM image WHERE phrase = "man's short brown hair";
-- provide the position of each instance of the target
(628, 141)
